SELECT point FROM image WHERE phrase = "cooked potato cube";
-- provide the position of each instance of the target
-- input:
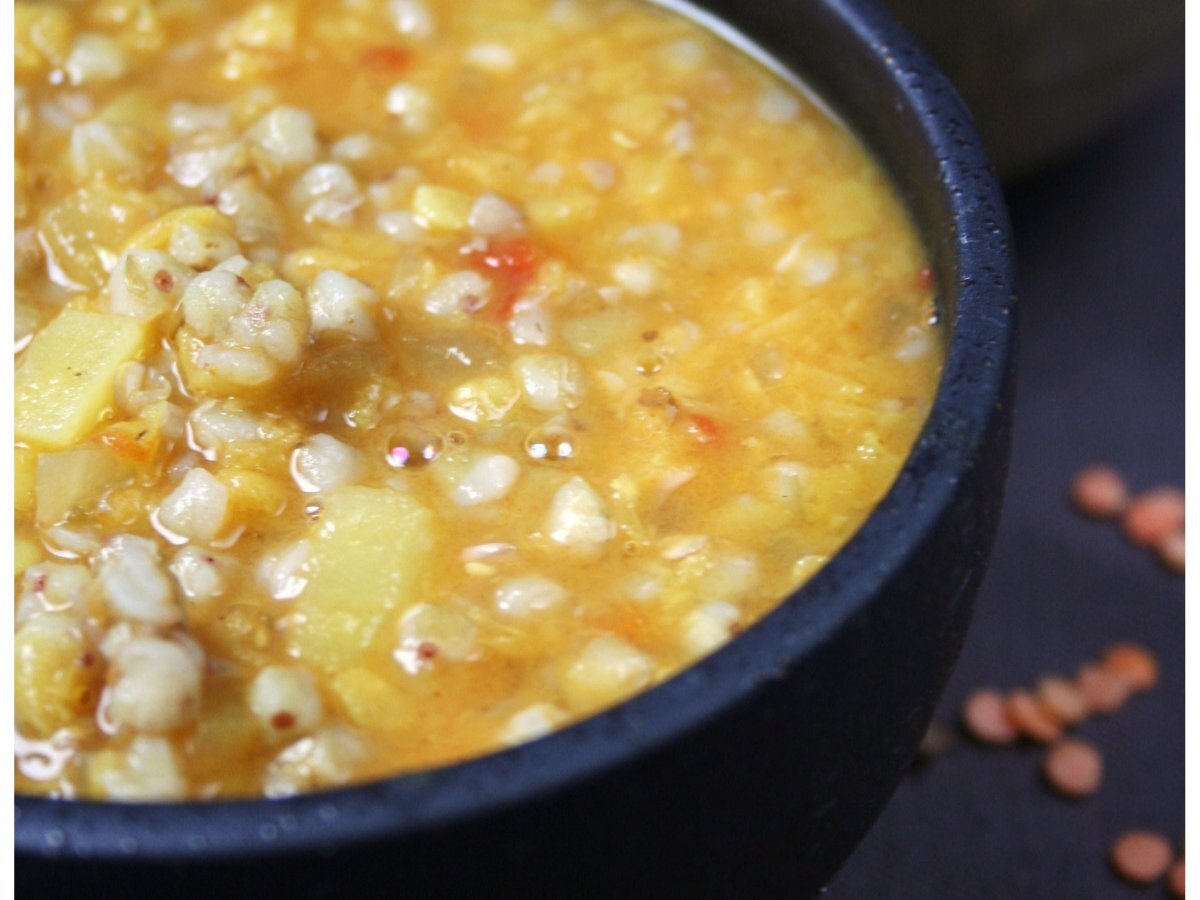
(75, 480)
(56, 678)
(84, 232)
(43, 36)
(65, 383)
(26, 553)
(24, 479)
(441, 209)
(371, 702)
(368, 558)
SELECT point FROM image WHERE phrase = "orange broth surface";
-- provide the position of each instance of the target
(399, 381)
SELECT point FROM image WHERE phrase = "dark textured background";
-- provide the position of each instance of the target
(1100, 256)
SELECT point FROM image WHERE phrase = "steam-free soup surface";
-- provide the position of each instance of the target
(397, 381)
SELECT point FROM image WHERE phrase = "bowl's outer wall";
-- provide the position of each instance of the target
(779, 751)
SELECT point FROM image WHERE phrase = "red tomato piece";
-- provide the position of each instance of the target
(702, 428)
(512, 263)
(388, 59)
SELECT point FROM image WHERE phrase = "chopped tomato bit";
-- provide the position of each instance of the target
(387, 59)
(702, 428)
(135, 444)
(925, 278)
(627, 620)
(512, 263)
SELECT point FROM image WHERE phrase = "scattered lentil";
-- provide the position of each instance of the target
(986, 720)
(1061, 700)
(1030, 719)
(1141, 857)
(1133, 663)
(1105, 690)
(1099, 492)
(1073, 768)
(1171, 552)
(1153, 516)
(1176, 880)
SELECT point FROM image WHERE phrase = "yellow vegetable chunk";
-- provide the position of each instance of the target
(55, 680)
(43, 36)
(75, 480)
(371, 702)
(440, 208)
(24, 479)
(253, 494)
(83, 233)
(26, 553)
(369, 556)
(65, 384)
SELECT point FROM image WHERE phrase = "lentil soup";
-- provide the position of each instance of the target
(397, 381)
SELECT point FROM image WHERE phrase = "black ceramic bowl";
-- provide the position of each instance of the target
(754, 773)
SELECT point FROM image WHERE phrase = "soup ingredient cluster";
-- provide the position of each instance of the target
(1153, 519)
(402, 380)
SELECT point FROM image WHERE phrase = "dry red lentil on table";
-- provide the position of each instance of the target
(1073, 767)
(539, 356)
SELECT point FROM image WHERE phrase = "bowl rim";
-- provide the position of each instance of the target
(981, 273)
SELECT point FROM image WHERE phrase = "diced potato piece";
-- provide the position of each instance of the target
(116, 150)
(84, 232)
(43, 36)
(26, 553)
(253, 494)
(371, 702)
(266, 26)
(75, 480)
(567, 209)
(240, 631)
(592, 334)
(54, 681)
(441, 209)
(227, 735)
(369, 551)
(66, 382)
(24, 479)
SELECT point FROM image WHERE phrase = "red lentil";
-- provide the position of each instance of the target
(1154, 516)
(1061, 700)
(1141, 857)
(1171, 552)
(1073, 768)
(1030, 719)
(985, 719)
(1176, 880)
(1133, 663)
(1099, 492)
(1105, 690)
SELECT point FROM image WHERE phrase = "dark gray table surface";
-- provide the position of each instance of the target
(1100, 254)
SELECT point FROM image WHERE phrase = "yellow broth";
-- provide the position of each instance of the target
(400, 381)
